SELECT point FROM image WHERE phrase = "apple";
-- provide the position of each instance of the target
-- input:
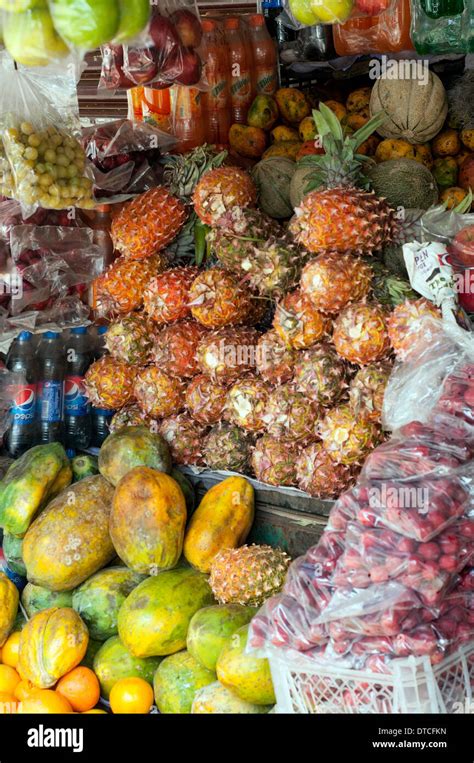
(164, 35)
(187, 65)
(139, 65)
(463, 246)
(188, 27)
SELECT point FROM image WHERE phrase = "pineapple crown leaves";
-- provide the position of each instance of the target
(340, 165)
(183, 171)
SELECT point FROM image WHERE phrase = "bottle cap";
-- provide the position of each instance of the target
(231, 23)
(51, 335)
(70, 453)
(79, 331)
(24, 336)
(103, 208)
(102, 330)
(208, 25)
(256, 19)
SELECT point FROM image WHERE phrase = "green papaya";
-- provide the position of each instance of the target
(249, 677)
(154, 619)
(113, 662)
(187, 488)
(12, 550)
(211, 629)
(92, 648)
(35, 598)
(30, 483)
(99, 599)
(176, 682)
(218, 699)
(84, 466)
(130, 447)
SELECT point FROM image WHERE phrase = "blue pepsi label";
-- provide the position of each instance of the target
(75, 398)
(23, 407)
(51, 398)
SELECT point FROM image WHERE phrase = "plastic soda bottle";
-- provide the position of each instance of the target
(21, 362)
(216, 101)
(188, 122)
(52, 366)
(240, 70)
(264, 56)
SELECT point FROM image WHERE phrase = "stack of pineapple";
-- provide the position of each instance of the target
(297, 404)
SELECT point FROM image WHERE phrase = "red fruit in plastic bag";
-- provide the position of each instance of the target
(164, 34)
(188, 27)
(429, 550)
(190, 68)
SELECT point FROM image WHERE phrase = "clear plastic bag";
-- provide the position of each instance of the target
(388, 32)
(302, 13)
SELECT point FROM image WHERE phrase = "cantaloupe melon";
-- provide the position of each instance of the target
(404, 183)
(272, 177)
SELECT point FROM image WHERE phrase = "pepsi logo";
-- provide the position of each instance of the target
(25, 399)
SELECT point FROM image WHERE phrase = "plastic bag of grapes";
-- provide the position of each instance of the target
(40, 130)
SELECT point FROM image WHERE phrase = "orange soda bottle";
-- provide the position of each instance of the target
(188, 122)
(156, 105)
(240, 70)
(216, 102)
(135, 112)
(264, 56)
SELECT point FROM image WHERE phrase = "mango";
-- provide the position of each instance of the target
(282, 132)
(211, 629)
(176, 682)
(247, 676)
(247, 141)
(263, 112)
(292, 104)
(307, 129)
(287, 148)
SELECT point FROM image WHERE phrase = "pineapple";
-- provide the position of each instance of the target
(130, 339)
(166, 298)
(184, 437)
(319, 475)
(246, 403)
(346, 438)
(221, 189)
(206, 400)
(367, 390)
(120, 289)
(109, 383)
(290, 415)
(248, 575)
(405, 325)
(320, 375)
(340, 216)
(174, 348)
(387, 288)
(158, 394)
(332, 280)
(275, 361)
(130, 416)
(148, 223)
(298, 322)
(217, 299)
(360, 333)
(274, 461)
(227, 354)
(227, 448)
(183, 171)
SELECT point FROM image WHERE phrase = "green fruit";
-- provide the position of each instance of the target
(211, 629)
(84, 466)
(273, 178)
(99, 599)
(134, 16)
(113, 662)
(404, 183)
(31, 38)
(20, 621)
(176, 682)
(19, 6)
(263, 112)
(35, 598)
(92, 648)
(215, 698)
(154, 619)
(247, 676)
(12, 548)
(130, 447)
(187, 488)
(86, 24)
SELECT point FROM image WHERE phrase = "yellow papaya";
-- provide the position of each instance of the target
(52, 643)
(249, 677)
(307, 129)
(216, 699)
(8, 606)
(292, 104)
(147, 520)
(223, 519)
(282, 132)
(247, 141)
(263, 112)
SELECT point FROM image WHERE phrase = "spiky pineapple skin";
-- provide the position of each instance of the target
(227, 448)
(331, 281)
(130, 339)
(367, 388)
(274, 461)
(360, 333)
(218, 299)
(246, 401)
(109, 383)
(148, 223)
(130, 416)
(320, 375)
(320, 476)
(166, 298)
(158, 394)
(346, 438)
(120, 289)
(298, 322)
(346, 220)
(404, 327)
(275, 361)
(206, 400)
(290, 415)
(221, 189)
(227, 354)
(174, 348)
(184, 437)
(248, 575)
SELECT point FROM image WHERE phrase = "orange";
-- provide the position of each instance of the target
(24, 689)
(45, 701)
(9, 678)
(131, 695)
(8, 703)
(10, 649)
(96, 711)
(81, 688)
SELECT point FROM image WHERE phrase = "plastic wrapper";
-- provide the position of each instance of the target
(40, 129)
(443, 31)
(389, 32)
(302, 13)
(169, 56)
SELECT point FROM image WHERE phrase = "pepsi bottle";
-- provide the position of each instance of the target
(51, 370)
(101, 417)
(77, 409)
(22, 433)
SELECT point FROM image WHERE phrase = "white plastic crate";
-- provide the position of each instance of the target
(414, 686)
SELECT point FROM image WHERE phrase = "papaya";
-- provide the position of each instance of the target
(12, 550)
(187, 488)
(176, 682)
(36, 598)
(247, 676)
(129, 447)
(263, 112)
(84, 466)
(113, 662)
(9, 598)
(70, 539)
(153, 621)
(20, 621)
(52, 643)
(99, 599)
(30, 482)
(247, 141)
(92, 648)
(286, 148)
(292, 104)
(147, 520)
(282, 132)
(216, 698)
(223, 519)
(307, 129)
(211, 629)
